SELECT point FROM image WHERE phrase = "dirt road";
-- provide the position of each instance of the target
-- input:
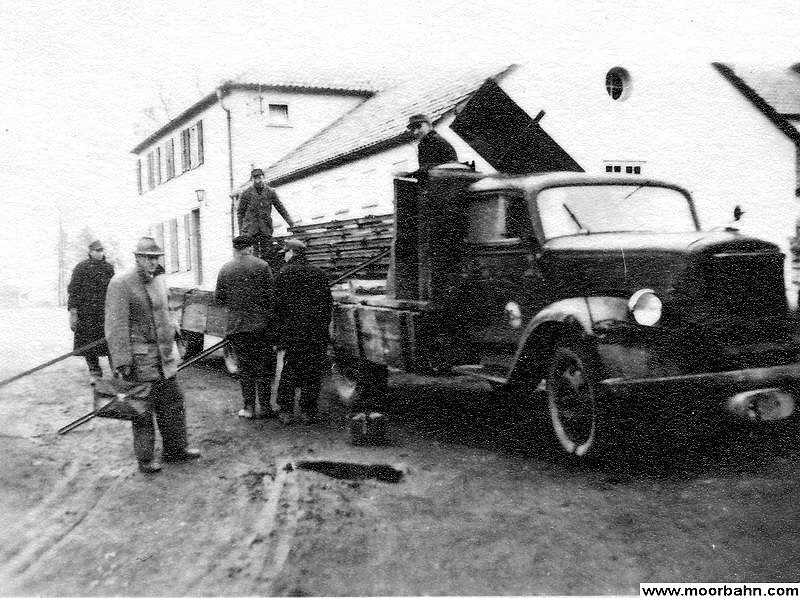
(479, 509)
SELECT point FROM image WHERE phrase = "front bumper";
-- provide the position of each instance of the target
(755, 394)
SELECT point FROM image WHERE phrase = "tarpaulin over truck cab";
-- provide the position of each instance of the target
(507, 137)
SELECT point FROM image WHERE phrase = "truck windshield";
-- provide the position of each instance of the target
(589, 209)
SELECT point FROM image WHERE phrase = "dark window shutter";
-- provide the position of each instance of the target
(170, 149)
(199, 142)
(151, 178)
(187, 233)
(185, 150)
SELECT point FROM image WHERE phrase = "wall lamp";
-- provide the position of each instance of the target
(201, 195)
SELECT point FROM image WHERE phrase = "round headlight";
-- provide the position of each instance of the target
(645, 307)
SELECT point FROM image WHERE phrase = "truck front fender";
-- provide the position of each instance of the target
(572, 317)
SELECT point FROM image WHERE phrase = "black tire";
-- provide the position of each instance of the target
(575, 401)
(190, 344)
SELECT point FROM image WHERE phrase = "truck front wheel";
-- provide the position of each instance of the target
(573, 399)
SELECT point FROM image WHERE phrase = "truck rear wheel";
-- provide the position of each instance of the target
(573, 399)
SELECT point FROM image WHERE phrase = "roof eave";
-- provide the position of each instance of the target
(229, 86)
(334, 161)
(760, 103)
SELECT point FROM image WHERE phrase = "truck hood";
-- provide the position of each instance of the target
(618, 264)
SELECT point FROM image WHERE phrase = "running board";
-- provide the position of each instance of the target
(491, 374)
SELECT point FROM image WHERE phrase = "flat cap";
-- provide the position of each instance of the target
(242, 242)
(418, 118)
(256, 172)
(148, 246)
(95, 246)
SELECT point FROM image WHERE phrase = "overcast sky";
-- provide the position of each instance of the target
(77, 75)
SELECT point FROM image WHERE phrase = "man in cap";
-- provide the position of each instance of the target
(432, 149)
(255, 215)
(303, 306)
(141, 339)
(245, 287)
(86, 304)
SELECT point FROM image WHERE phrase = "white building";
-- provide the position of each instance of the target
(187, 168)
(729, 135)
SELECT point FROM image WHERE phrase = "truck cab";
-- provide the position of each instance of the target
(595, 289)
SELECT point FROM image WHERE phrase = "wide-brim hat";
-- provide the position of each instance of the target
(148, 246)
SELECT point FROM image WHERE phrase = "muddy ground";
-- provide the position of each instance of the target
(481, 507)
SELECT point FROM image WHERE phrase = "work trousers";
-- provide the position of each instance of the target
(256, 360)
(166, 403)
(303, 368)
(93, 363)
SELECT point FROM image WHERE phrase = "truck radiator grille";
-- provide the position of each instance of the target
(746, 285)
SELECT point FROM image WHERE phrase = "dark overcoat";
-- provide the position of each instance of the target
(255, 211)
(139, 328)
(433, 150)
(87, 293)
(303, 305)
(245, 287)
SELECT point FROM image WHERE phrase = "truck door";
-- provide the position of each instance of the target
(503, 285)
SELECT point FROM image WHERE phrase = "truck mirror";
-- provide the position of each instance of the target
(738, 212)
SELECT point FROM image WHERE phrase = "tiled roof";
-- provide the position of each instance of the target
(278, 77)
(779, 87)
(380, 121)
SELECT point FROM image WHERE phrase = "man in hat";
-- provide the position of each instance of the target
(141, 340)
(303, 306)
(86, 304)
(432, 149)
(245, 287)
(255, 215)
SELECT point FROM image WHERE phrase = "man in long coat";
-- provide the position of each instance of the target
(245, 287)
(303, 306)
(255, 215)
(86, 304)
(141, 340)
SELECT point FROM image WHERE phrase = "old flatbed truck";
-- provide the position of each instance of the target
(597, 302)
(601, 291)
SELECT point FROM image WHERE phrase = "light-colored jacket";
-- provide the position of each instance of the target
(139, 329)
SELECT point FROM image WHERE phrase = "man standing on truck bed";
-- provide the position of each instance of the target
(255, 215)
(245, 287)
(303, 306)
(86, 304)
(432, 149)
